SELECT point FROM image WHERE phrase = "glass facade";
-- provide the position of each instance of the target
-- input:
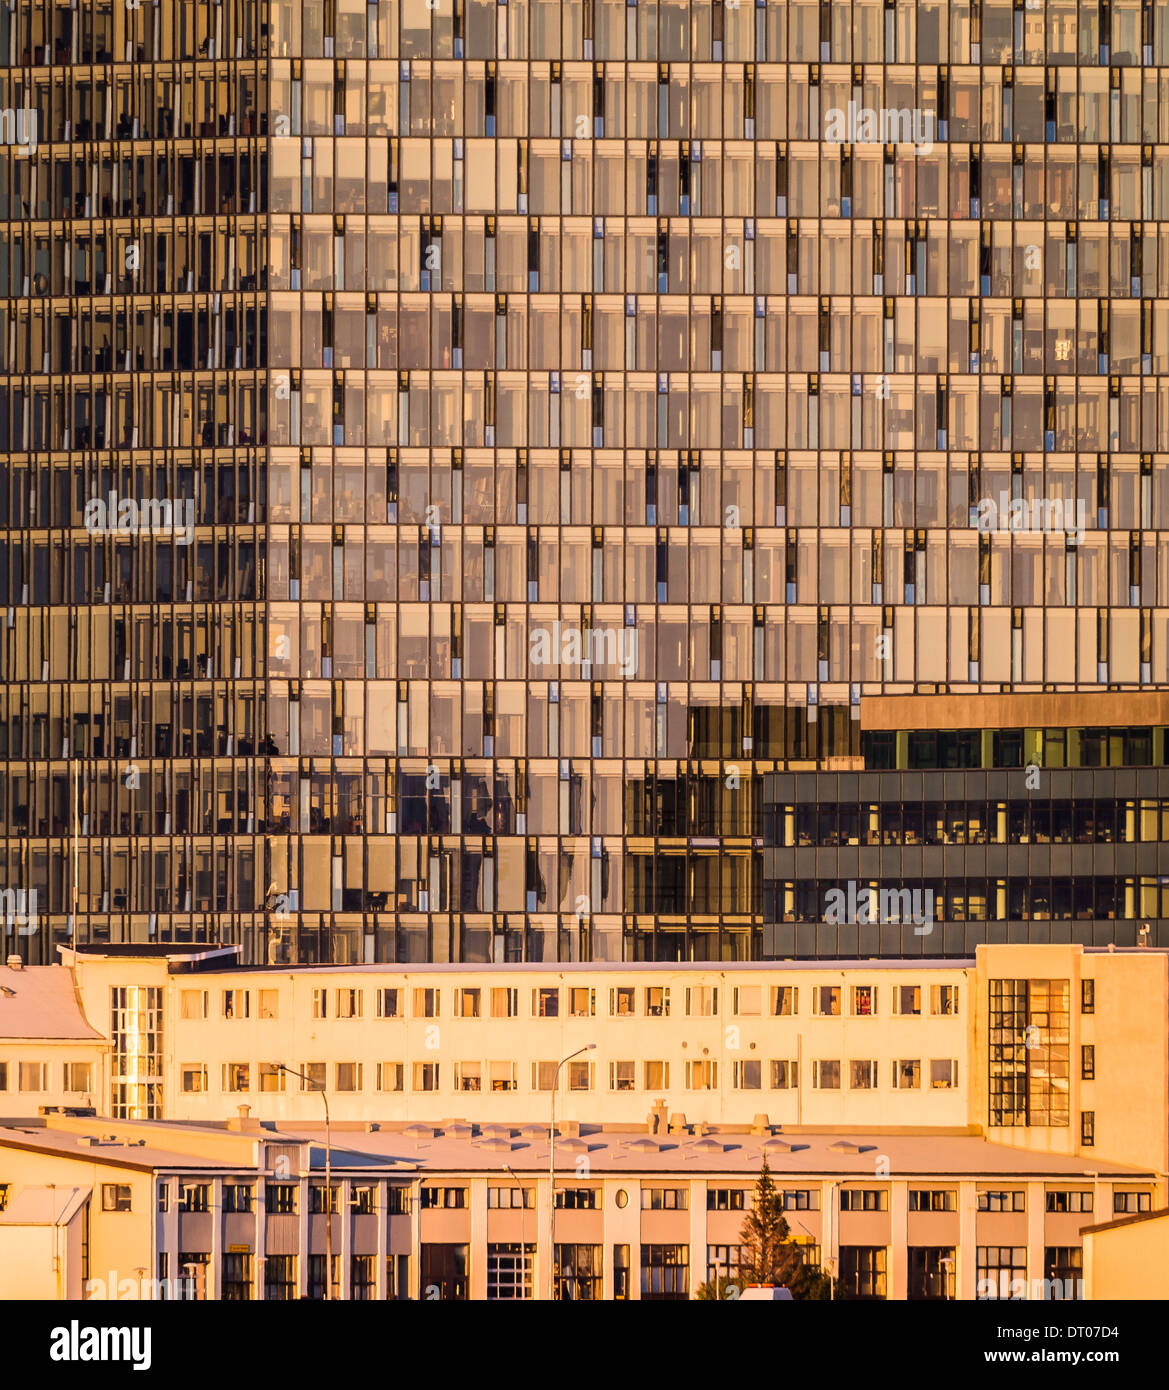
(484, 481)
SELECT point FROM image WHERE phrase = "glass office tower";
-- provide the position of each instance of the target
(645, 481)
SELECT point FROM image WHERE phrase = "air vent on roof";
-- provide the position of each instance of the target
(777, 1146)
(706, 1146)
(458, 1130)
(642, 1146)
(572, 1146)
(495, 1131)
(850, 1146)
(534, 1131)
(419, 1131)
(497, 1144)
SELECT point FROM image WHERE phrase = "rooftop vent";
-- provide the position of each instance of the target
(850, 1146)
(642, 1146)
(14, 963)
(497, 1143)
(419, 1131)
(534, 1131)
(677, 1123)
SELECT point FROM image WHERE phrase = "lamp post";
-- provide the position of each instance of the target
(292, 1071)
(507, 1168)
(588, 1047)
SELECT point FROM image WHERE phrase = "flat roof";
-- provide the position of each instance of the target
(867, 963)
(1137, 1220)
(456, 1146)
(40, 1002)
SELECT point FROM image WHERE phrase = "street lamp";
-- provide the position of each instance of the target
(523, 1211)
(589, 1047)
(292, 1071)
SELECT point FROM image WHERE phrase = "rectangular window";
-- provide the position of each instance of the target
(238, 1197)
(193, 1003)
(468, 1076)
(236, 1003)
(426, 1076)
(194, 1196)
(622, 1076)
(237, 1278)
(237, 1076)
(665, 1198)
(79, 1076)
(505, 1003)
(193, 1077)
(398, 1201)
(580, 1076)
(621, 1002)
(748, 1076)
(348, 1076)
(115, 1196)
(348, 1003)
(32, 1076)
(907, 999)
(785, 1075)
(362, 1279)
(1087, 996)
(581, 1003)
(317, 1195)
(657, 1076)
(726, 1199)
(164, 1196)
(933, 1199)
(826, 1001)
(320, 1003)
(801, 1199)
(280, 1199)
(1131, 1203)
(864, 1001)
(944, 1000)
(543, 1075)
(312, 1076)
(784, 1001)
(862, 1076)
(748, 1001)
(444, 1198)
(1063, 1269)
(579, 1271)
(398, 1276)
(1001, 1271)
(389, 1003)
(1087, 1128)
(826, 1076)
(508, 1198)
(389, 1076)
(665, 1272)
(657, 1001)
(1029, 1053)
(1069, 1202)
(943, 1074)
(426, 1003)
(467, 1003)
(702, 1001)
(502, 1076)
(931, 1272)
(578, 1199)
(546, 1003)
(702, 1075)
(864, 1199)
(906, 1075)
(1088, 1062)
(271, 1076)
(1015, 1200)
(510, 1270)
(863, 1271)
(316, 1277)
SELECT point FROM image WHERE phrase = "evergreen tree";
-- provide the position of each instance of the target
(769, 1256)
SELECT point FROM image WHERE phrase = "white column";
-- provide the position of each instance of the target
(897, 1279)
(214, 1264)
(966, 1256)
(1036, 1216)
(382, 1206)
